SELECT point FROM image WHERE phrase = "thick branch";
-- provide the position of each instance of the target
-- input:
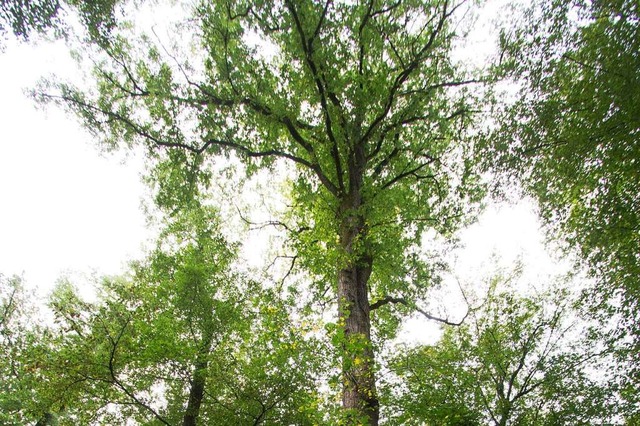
(307, 48)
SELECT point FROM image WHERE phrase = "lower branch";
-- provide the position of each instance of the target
(405, 302)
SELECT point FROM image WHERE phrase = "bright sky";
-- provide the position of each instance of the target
(65, 207)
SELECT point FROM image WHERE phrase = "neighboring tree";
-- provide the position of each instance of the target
(519, 360)
(572, 139)
(23, 344)
(182, 342)
(362, 98)
(14, 334)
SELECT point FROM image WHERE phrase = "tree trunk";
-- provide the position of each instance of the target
(359, 397)
(359, 392)
(196, 391)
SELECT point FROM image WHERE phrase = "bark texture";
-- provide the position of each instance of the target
(359, 384)
(359, 393)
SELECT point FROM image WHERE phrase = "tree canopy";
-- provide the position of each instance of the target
(371, 128)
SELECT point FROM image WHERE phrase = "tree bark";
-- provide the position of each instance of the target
(359, 397)
(359, 392)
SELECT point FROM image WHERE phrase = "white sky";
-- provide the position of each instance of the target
(63, 205)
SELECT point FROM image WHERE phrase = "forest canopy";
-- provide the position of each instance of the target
(375, 145)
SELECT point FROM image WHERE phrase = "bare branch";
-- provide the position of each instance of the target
(401, 300)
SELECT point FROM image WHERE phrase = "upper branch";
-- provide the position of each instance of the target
(320, 83)
(406, 72)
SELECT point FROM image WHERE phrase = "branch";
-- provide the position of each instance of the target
(295, 134)
(136, 128)
(426, 89)
(307, 47)
(276, 153)
(412, 172)
(407, 120)
(385, 161)
(527, 346)
(406, 73)
(316, 33)
(387, 9)
(118, 383)
(401, 300)
(363, 24)
(292, 264)
(145, 134)
(274, 223)
(251, 153)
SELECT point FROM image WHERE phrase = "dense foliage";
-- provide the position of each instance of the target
(370, 128)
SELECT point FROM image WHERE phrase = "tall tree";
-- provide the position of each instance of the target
(362, 98)
(572, 136)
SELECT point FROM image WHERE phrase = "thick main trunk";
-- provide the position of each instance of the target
(359, 391)
(359, 397)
